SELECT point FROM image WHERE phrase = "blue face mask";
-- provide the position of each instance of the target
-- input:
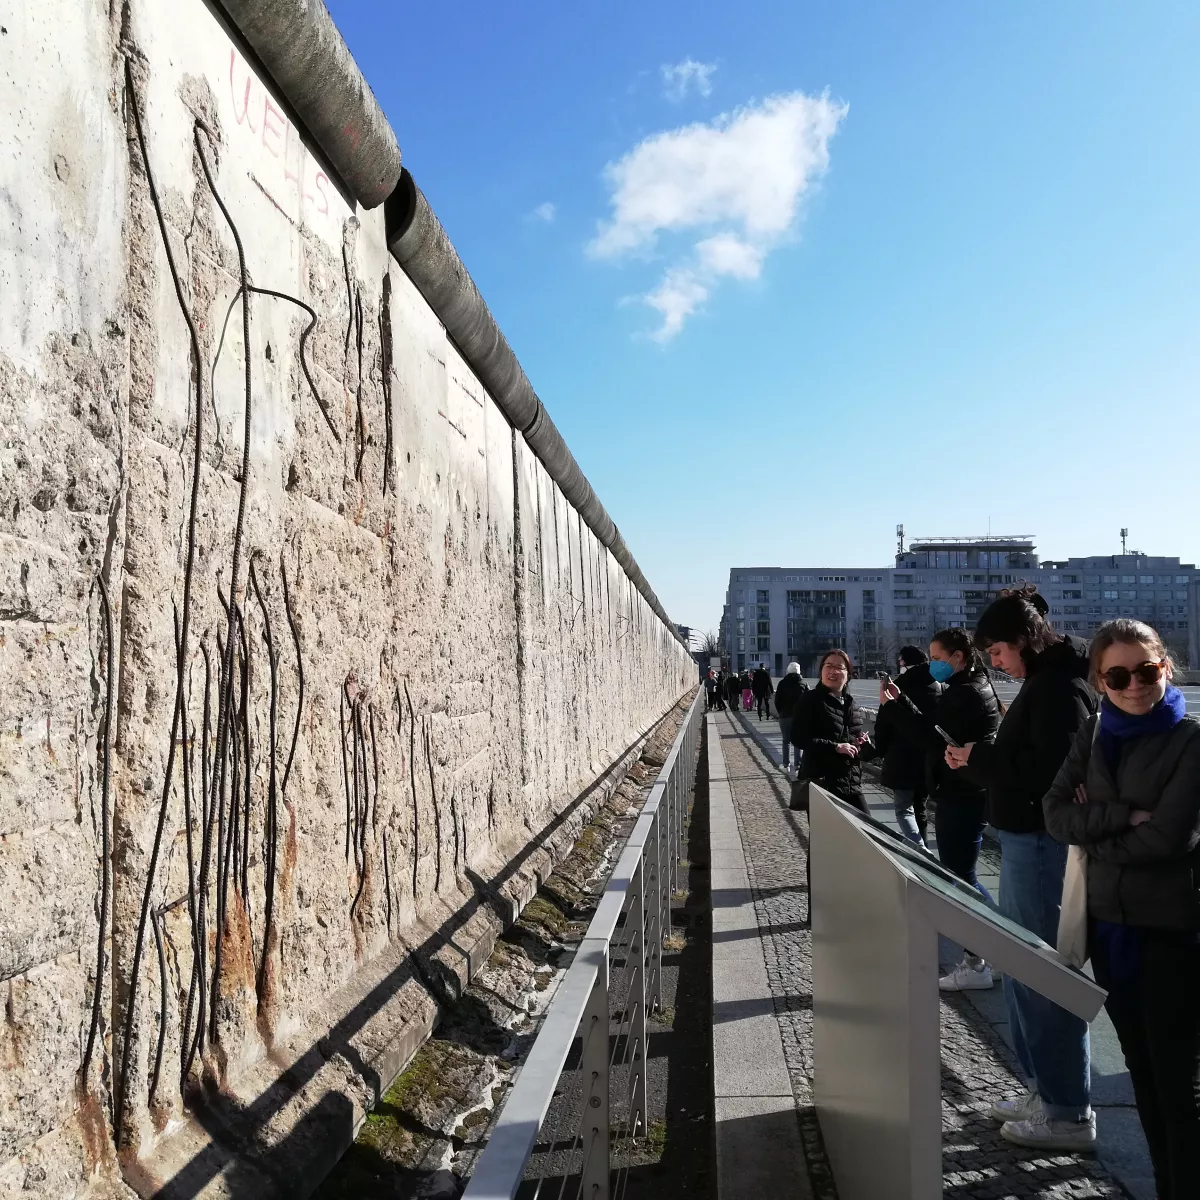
(941, 671)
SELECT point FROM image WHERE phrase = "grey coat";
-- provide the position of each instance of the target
(1146, 874)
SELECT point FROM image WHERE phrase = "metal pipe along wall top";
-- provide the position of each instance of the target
(420, 245)
(301, 48)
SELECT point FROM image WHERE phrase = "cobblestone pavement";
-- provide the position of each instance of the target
(976, 1065)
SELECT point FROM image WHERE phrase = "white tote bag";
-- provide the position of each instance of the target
(1073, 915)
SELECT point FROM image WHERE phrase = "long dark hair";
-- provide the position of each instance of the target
(1018, 617)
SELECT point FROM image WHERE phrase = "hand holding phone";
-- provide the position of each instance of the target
(946, 737)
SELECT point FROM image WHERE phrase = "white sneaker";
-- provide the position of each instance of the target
(1039, 1132)
(1019, 1109)
(967, 977)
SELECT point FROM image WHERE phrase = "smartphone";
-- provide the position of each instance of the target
(947, 738)
(884, 678)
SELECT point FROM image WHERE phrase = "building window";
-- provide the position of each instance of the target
(764, 597)
(1146, 579)
(1068, 594)
(1129, 579)
(1181, 579)
(1111, 579)
(741, 610)
(764, 627)
(1110, 594)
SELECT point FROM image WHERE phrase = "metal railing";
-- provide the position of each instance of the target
(595, 1026)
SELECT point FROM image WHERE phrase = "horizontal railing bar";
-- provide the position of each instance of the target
(501, 1166)
(502, 1163)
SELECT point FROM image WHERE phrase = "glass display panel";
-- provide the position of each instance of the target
(928, 871)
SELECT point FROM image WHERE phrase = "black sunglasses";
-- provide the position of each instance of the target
(1119, 678)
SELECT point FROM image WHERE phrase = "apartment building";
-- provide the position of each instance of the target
(777, 615)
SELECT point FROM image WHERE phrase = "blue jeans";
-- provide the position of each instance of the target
(1051, 1043)
(785, 728)
(958, 825)
(910, 814)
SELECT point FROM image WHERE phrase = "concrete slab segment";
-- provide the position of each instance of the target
(760, 1150)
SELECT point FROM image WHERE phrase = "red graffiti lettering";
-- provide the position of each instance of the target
(352, 134)
(292, 140)
(321, 176)
(244, 116)
(277, 132)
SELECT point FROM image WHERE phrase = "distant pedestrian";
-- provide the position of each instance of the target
(1129, 794)
(903, 751)
(763, 689)
(710, 690)
(827, 728)
(788, 695)
(733, 690)
(719, 699)
(747, 691)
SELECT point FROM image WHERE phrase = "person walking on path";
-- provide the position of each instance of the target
(1018, 769)
(1129, 794)
(827, 728)
(967, 711)
(763, 690)
(747, 691)
(788, 695)
(710, 690)
(904, 755)
(733, 690)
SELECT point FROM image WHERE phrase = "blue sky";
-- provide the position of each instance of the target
(936, 263)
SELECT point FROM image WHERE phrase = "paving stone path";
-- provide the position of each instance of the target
(977, 1067)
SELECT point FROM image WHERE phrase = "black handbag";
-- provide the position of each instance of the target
(798, 801)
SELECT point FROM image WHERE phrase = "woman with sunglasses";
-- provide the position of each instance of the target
(1129, 794)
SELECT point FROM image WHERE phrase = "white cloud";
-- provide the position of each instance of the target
(727, 254)
(676, 298)
(734, 185)
(679, 77)
(546, 211)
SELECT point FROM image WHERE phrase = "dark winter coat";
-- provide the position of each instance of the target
(760, 683)
(1035, 737)
(903, 754)
(789, 693)
(968, 711)
(733, 687)
(1148, 874)
(821, 721)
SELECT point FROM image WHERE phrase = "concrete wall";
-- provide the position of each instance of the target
(473, 659)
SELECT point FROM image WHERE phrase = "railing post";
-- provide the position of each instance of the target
(635, 964)
(654, 938)
(594, 1068)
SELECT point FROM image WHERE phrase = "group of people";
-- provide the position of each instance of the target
(749, 688)
(1095, 751)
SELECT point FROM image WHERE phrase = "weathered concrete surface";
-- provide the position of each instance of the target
(473, 659)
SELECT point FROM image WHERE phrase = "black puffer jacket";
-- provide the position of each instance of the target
(903, 754)
(789, 693)
(733, 688)
(1035, 737)
(968, 711)
(822, 720)
(1146, 874)
(760, 683)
